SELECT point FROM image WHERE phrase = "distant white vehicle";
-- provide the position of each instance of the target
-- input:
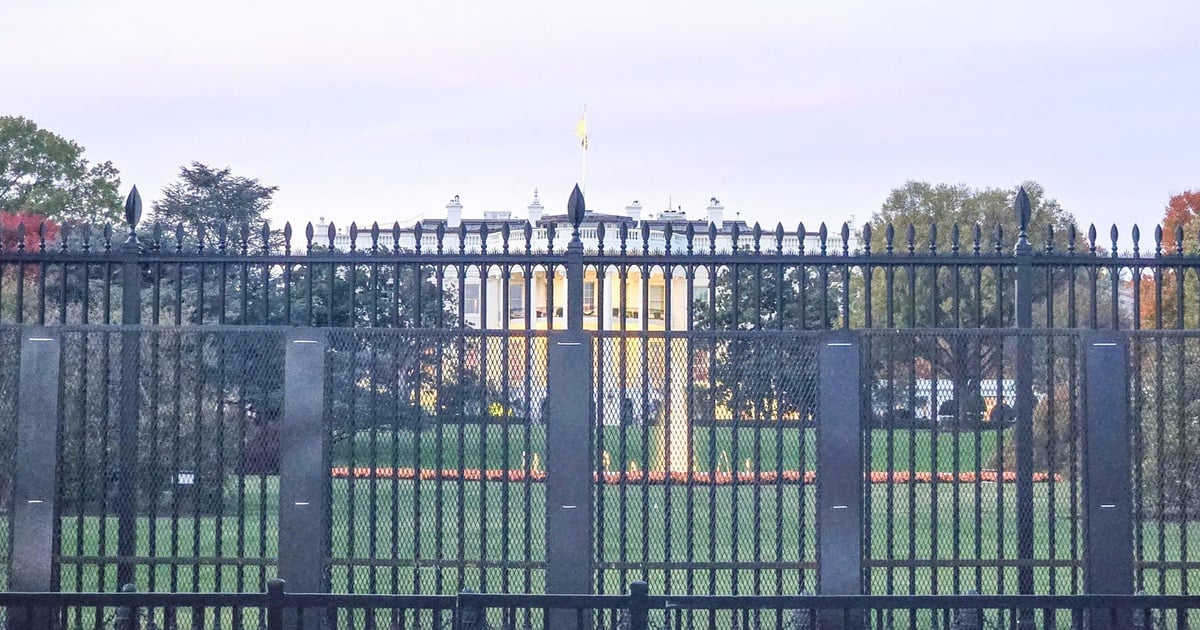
(925, 399)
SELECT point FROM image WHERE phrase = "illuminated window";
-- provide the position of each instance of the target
(589, 297)
(658, 301)
(516, 299)
(471, 299)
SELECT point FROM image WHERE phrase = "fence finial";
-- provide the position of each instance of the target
(1023, 209)
(133, 214)
(576, 210)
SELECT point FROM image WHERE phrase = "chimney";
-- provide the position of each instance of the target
(716, 212)
(453, 213)
(535, 209)
(634, 211)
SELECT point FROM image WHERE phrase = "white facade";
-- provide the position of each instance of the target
(506, 302)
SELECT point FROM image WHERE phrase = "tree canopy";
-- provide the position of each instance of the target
(1161, 289)
(922, 204)
(924, 217)
(209, 196)
(745, 379)
(44, 173)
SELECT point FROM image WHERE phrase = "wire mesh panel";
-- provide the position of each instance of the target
(197, 508)
(1165, 406)
(705, 459)
(942, 511)
(438, 447)
(10, 344)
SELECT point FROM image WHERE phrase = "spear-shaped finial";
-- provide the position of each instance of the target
(576, 210)
(1023, 209)
(133, 214)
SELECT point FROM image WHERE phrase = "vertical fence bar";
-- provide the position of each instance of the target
(303, 466)
(839, 474)
(34, 478)
(638, 606)
(1107, 496)
(275, 604)
(1024, 405)
(130, 395)
(569, 468)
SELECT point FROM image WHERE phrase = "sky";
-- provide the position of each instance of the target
(785, 111)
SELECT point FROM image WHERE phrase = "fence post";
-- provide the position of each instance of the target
(639, 607)
(304, 466)
(1024, 405)
(569, 462)
(34, 479)
(275, 604)
(569, 470)
(1107, 497)
(839, 474)
(467, 616)
(130, 393)
(126, 617)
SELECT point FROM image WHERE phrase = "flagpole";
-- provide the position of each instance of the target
(583, 173)
(581, 133)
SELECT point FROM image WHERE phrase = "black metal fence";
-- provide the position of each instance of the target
(442, 391)
(634, 610)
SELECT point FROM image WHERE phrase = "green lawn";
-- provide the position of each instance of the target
(393, 535)
(788, 448)
(708, 527)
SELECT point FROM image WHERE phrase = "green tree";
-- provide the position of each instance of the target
(211, 197)
(44, 173)
(1167, 427)
(745, 375)
(926, 217)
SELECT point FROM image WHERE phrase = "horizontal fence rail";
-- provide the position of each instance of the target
(682, 277)
(635, 610)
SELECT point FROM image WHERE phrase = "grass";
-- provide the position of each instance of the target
(787, 448)
(403, 536)
(426, 527)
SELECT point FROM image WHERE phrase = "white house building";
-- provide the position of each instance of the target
(642, 309)
(534, 296)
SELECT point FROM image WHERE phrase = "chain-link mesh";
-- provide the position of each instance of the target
(438, 447)
(200, 500)
(706, 451)
(10, 352)
(942, 508)
(1164, 390)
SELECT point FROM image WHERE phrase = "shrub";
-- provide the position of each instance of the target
(1052, 445)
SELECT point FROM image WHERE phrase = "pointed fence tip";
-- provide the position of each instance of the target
(1023, 208)
(575, 207)
(133, 208)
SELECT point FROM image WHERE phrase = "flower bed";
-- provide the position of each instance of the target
(661, 477)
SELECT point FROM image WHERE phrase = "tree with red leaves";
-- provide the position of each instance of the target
(34, 226)
(1182, 210)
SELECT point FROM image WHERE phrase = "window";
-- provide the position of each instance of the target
(470, 302)
(700, 294)
(658, 300)
(589, 298)
(516, 299)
